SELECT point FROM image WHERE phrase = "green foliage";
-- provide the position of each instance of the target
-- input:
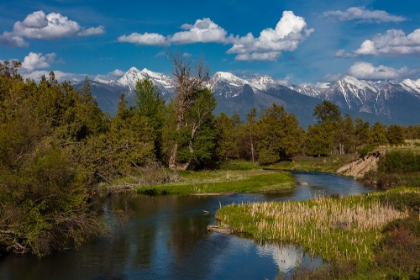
(246, 135)
(378, 134)
(395, 135)
(317, 141)
(150, 104)
(279, 136)
(399, 162)
(43, 190)
(227, 131)
(195, 138)
(327, 112)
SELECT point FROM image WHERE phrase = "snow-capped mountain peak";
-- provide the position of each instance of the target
(411, 86)
(225, 79)
(263, 83)
(307, 89)
(354, 84)
(129, 80)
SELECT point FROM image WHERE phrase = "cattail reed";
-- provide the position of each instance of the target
(333, 228)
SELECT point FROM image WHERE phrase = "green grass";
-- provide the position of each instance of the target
(239, 165)
(223, 181)
(318, 164)
(346, 229)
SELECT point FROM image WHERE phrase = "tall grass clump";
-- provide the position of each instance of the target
(343, 229)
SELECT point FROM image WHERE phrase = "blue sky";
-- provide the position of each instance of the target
(294, 40)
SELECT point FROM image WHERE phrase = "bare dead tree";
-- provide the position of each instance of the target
(190, 81)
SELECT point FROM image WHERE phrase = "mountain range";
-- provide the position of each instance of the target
(388, 102)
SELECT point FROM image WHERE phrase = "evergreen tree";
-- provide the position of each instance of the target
(317, 142)
(227, 147)
(278, 135)
(395, 135)
(150, 104)
(329, 129)
(378, 134)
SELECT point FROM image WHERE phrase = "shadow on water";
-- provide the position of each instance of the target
(167, 238)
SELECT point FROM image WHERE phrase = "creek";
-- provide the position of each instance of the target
(166, 238)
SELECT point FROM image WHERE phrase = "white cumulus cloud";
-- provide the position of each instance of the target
(289, 32)
(10, 40)
(151, 39)
(203, 31)
(360, 13)
(393, 43)
(37, 60)
(39, 25)
(367, 71)
(92, 31)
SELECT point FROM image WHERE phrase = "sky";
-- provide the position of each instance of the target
(293, 41)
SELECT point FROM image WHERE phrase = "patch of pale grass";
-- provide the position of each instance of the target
(333, 228)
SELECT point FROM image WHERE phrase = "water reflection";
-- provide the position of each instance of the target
(287, 256)
(166, 238)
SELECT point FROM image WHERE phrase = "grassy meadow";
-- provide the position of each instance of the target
(237, 176)
(223, 181)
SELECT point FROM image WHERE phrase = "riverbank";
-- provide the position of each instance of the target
(344, 230)
(242, 177)
(314, 164)
(223, 182)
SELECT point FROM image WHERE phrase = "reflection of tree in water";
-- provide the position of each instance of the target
(131, 242)
(186, 232)
(139, 237)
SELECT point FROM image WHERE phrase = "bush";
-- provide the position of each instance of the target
(399, 253)
(399, 162)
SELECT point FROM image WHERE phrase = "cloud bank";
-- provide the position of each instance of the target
(393, 43)
(289, 32)
(367, 71)
(39, 25)
(360, 13)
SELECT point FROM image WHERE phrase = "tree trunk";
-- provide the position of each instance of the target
(252, 149)
(172, 157)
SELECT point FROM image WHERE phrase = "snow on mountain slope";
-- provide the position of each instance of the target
(411, 86)
(307, 89)
(360, 89)
(263, 83)
(227, 78)
(129, 79)
(226, 84)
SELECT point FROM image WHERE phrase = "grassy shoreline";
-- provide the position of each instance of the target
(243, 176)
(222, 182)
(348, 229)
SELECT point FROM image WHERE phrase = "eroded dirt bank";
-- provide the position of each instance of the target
(357, 168)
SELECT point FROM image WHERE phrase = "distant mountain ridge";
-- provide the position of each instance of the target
(386, 102)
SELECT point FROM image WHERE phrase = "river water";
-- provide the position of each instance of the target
(166, 238)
